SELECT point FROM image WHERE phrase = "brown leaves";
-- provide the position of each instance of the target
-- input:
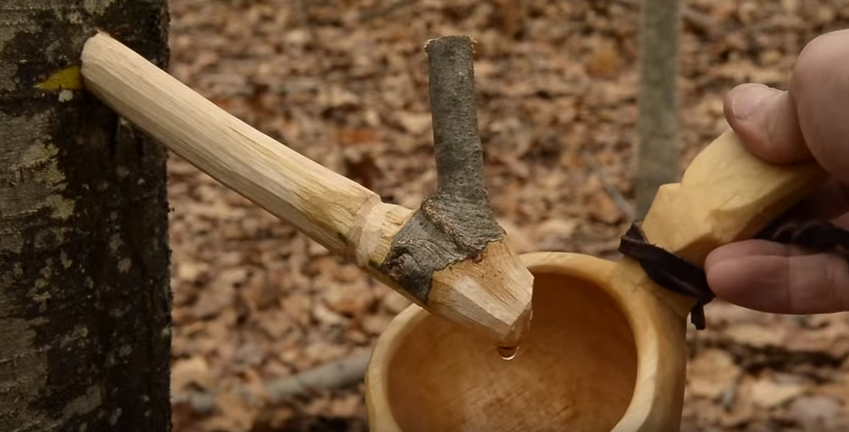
(345, 83)
(761, 370)
(605, 61)
(193, 371)
(711, 374)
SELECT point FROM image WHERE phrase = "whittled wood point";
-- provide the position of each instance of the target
(490, 295)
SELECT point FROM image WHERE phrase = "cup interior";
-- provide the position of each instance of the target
(575, 371)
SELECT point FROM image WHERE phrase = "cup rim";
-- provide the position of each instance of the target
(650, 406)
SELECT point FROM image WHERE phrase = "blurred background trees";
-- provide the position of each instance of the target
(657, 124)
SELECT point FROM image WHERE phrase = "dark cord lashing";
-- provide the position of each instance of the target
(669, 271)
(683, 277)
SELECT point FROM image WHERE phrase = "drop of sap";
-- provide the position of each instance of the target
(507, 353)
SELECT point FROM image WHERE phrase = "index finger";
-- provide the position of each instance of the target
(778, 278)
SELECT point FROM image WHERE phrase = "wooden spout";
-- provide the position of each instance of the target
(479, 283)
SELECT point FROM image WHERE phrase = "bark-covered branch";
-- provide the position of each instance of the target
(451, 256)
(458, 150)
(456, 223)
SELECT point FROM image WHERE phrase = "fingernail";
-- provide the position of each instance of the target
(747, 100)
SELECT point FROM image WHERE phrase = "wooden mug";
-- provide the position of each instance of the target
(606, 350)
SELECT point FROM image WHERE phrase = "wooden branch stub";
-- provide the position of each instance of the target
(458, 149)
(456, 224)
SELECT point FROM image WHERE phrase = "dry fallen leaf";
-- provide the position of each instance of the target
(755, 335)
(414, 123)
(605, 60)
(711, 373)
(191, 371)
(820, 413)
(767, 393)
(255, 300)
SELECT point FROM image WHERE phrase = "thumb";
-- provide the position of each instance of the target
(820, 89)
(765, 120)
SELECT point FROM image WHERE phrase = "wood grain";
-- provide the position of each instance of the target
(338, 213)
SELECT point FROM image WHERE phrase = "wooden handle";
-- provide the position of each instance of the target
(727, 194)
(491, 294)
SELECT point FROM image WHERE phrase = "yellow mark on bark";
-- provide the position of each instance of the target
(66, 79)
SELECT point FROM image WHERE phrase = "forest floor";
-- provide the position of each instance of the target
(345, 83)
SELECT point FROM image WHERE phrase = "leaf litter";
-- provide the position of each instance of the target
(345, 83)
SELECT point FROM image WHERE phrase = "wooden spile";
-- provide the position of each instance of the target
(426, 255)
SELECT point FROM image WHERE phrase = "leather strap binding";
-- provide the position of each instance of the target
(679, 275)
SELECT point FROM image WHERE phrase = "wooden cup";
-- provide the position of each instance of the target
(576, 370)
(606, 350)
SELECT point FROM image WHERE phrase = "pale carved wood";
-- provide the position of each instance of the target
(491, 295)
(606, 350)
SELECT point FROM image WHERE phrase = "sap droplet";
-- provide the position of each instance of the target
(507, 353)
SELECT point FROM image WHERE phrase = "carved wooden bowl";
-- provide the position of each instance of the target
(579, 369)
(607, 346)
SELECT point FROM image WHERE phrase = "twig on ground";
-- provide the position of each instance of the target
(332, 375)
(624, 206)
(379, 12)
(336, 374)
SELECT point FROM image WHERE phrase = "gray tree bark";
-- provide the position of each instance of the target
(657, 125)
(84, 283)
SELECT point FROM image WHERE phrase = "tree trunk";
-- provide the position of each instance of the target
(85, 302)
(657, 126)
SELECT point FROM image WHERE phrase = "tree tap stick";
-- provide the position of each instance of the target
(448, 257)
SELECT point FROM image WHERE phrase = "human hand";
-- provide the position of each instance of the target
(810, 120)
